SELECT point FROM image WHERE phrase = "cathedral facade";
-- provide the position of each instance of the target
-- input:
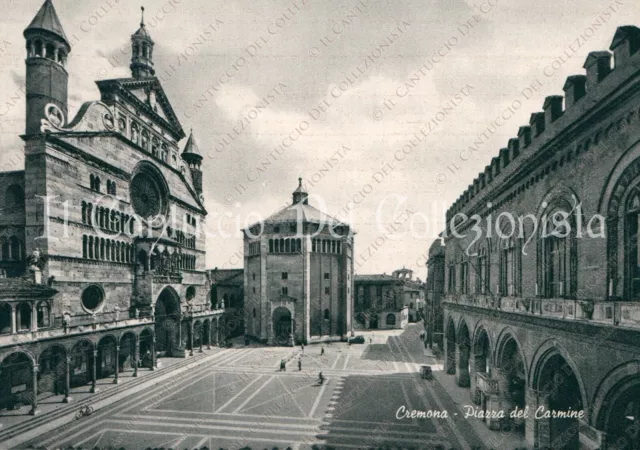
(298, 277)
(102, 247)
(541, 256)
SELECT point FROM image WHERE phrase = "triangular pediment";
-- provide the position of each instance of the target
(146, 94)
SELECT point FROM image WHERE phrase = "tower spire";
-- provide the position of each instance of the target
(142, 51)
(300, 195)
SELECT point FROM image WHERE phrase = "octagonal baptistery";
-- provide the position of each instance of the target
(298, 284)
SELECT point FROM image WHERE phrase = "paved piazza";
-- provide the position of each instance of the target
(239, 398)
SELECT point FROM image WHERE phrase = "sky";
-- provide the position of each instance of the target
(374, 103)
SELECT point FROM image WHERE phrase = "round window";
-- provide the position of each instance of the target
(146, 196)
(92, 297)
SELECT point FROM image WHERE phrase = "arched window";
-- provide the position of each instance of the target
(327, 314)
(254, 312)
(298, 245)
(482, 272)
(39, 48)
(50, 51)
(24, 316)
(14, 196)
(97, 184)
(90, 247)
(84, 246)
(108, 186)
(282, 247)
(43, 314)
(155, 146)
(391, 319)
(270, 245)
(5, 318)
(92, 182)
(90, 213)
(135, 132)
(16, 249)
(558, 255)
(144, 142)
(287, 245)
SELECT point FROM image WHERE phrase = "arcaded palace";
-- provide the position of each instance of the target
(102, 258)
(298, 277)
(547, 315)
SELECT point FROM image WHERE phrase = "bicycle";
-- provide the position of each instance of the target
(84, 411)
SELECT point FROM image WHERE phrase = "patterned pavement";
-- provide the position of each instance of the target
(240, 398)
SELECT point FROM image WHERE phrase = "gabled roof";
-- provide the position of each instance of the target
(125, 87)
(47, 19)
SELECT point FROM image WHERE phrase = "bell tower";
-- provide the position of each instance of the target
(191, 155)
(142, 52)
(47, 79)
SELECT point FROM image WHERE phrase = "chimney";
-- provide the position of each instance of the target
(524, 134)
(625, 43)
(574, 89)
(504, 156)
(537, 123)
(598, 65)
(482, 178)
(552, 108)
(476, 185)
(514, 148)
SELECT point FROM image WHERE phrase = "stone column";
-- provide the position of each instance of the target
(218, 331)
(94, 374)
(209, 336)
(34, 400)
(201, 335)
(190, 337)
(136, 356)
(67, 381)
(450, 361)
(34, 317)
(462, 366)
(153, 353)
(473, 382)
(14, 320)
(115, 381)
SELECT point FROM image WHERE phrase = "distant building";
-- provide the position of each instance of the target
(434, 292)
(387, 301)
(227, 292)
(298, 276)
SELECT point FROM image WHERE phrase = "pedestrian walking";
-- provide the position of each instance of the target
(370, 341)
(322, 351)
(302, 347)
(299, 365)
(283, 367)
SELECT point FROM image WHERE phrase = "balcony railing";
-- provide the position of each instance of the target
(486, 384)
(616, 313)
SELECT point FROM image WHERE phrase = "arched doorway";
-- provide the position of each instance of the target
(511, 378)
(16, 381)
(197, 334)
(481, 358)
(52, 370)
(561, 392)
(450, 349)
(126, 357)
(620, 414)
(373, 321)
(206, 331)
(107, 362)
(167, 321)
(146, 347)
(81, 364)
(464, 350)
(282, 326)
